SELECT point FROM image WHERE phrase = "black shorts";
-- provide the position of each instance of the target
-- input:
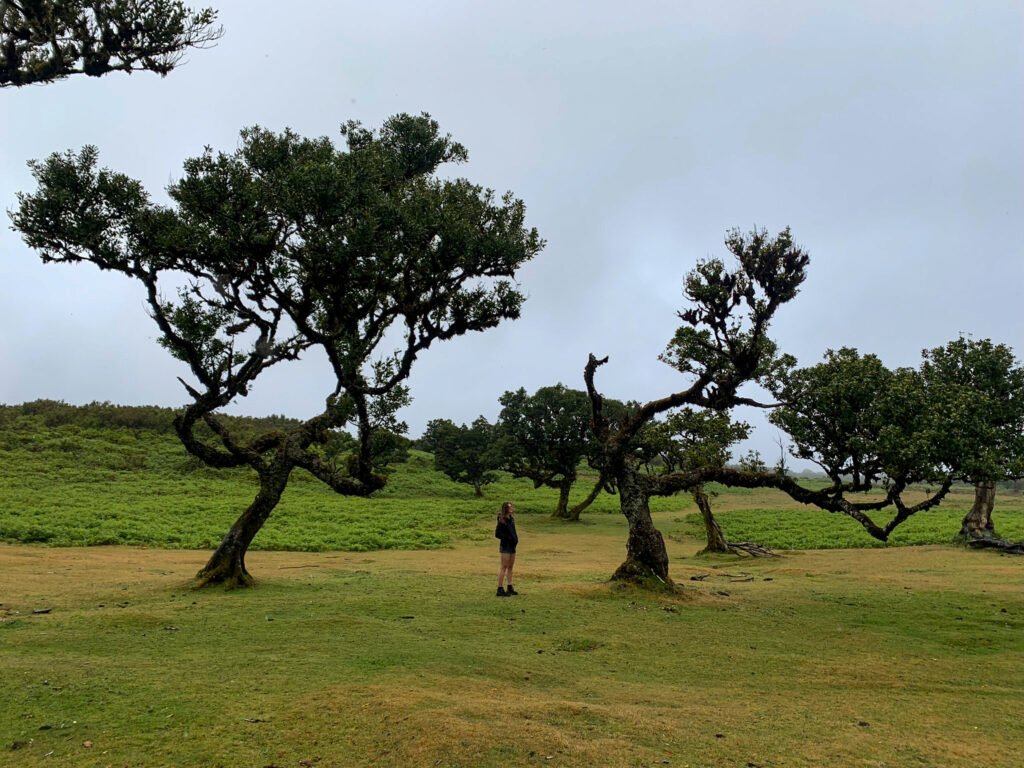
(507, 550)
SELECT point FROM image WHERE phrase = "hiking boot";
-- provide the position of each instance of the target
(509, 591)
(501, 592)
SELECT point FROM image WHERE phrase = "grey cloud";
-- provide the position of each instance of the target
(886, 135)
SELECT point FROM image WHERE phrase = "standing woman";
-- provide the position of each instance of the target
(506, 534)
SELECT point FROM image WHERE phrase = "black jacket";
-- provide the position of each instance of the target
(505, 532)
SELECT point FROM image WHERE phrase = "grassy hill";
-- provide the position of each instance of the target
(105, 474)
(70, 480)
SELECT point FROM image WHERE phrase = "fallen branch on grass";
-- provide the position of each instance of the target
(1009, 547)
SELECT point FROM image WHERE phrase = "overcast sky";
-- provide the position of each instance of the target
(888, 136)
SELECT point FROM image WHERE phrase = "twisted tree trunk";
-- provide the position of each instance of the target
(574, 513)
(977, 523)
(562, 510)
(717, 543)
(227, 564)
(646, 556)
(716, 539)
(977, 529)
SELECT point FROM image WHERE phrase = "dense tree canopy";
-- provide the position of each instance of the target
(465, 454)
(877, 432)
(46, 40)
(869, 429)
(287, 246)
(688, 438)
(979, 387)
(545, 437)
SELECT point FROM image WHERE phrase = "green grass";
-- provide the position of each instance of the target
(408, 659)
(794, 527)
(72, 485)
(900, 656)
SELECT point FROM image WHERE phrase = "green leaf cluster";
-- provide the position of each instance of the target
(545, 436)
(465, 454)
(688, 440)
(46, 40)
(724, 338)
(959, 418)
(978, 390)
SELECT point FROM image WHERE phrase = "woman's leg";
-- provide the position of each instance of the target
(505, 569)
(508, 574)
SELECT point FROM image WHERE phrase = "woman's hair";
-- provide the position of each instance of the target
(506, 511)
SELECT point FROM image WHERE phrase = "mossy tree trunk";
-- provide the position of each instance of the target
(564, 486)
(977, 523)
(646, 556)
(717, 543)
(575, 512)
(227, 564)
(562, 509)
(716, 538)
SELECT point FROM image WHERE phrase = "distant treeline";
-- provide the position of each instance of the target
(56, 413)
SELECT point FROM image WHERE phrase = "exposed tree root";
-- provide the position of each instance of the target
(228, 582)
(225, 568)
(1009, 547)
(751, 548)
(642, 575)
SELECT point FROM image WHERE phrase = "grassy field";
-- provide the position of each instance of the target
(893, 657)
(375, 639)
(76, 486)
(772, 518)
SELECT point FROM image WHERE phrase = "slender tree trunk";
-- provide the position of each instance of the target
(575, 512)
(646, 555)
(478, 490)
(716, 538)
(227, 564)
(977, 523)
(562, 510)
